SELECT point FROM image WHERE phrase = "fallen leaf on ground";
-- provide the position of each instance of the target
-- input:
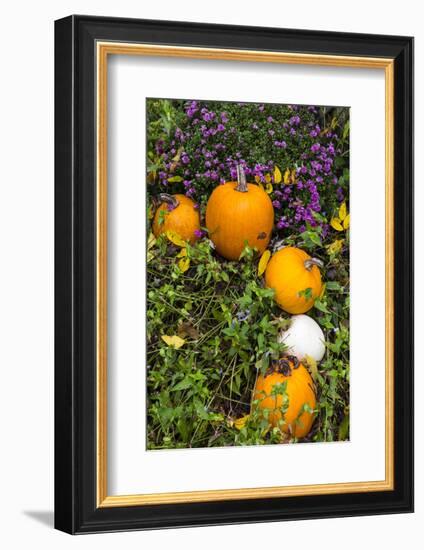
(173, 341)
(263, 262)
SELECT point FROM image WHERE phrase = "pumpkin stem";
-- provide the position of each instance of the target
(168, 199)
(313, 261)
(241, 179)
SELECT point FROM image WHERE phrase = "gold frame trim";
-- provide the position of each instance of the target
(103, 50)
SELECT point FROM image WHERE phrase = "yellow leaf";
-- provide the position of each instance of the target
(182, 253)
(151, 241)
(173, 341)
(268, 178)
(184, 264)
(293, 176)
(342, 211)
(287, 176)
(346, 222)
(335, 224)
(277, 175)
(263, 262)
(322, 291)
(150, 256)
(240, 423)
(257, 179)
(312, 365)
(269, 188)
(150, 213)
(175, 238)
(335, 247)
(178, 155)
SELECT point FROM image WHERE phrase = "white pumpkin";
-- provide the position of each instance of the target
(304, 337)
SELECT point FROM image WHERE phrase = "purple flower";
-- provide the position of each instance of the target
(159, 147)
(220, 127)
(282, 223)
(276, 204)
(261, 107)
(270, 119)
(185, 159)
(179, 134)
(198, 233)
(330, 149)
(191, 109)
(224, 118)
(271, 132)
(315, 147)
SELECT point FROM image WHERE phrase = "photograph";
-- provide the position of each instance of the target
(247, 260)
(234, 304)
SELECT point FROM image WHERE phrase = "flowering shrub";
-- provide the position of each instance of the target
(299, 154)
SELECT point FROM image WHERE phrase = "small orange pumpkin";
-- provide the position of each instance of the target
(286, 410)
(238, 213)
(177, 213)
(296, 279)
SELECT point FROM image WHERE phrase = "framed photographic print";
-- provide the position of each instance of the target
(234, 274)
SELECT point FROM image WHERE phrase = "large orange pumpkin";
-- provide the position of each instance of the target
(238, 213)
(286, 410)
(177, 213)
(296, 279)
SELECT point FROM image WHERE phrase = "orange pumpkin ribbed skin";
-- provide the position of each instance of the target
(299, 390)
(184, 219)
(287, 274)
(234, 218)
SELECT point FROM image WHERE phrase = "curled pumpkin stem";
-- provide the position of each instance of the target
(241, 179)
(313, 261)
(170, 200)
(285, 365)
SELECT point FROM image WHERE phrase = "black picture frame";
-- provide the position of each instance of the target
(76, 510)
